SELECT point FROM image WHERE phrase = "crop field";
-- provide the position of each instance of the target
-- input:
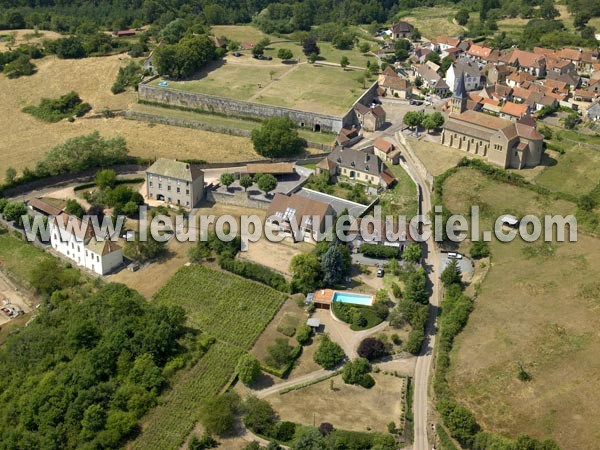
(168, 424)
(227, 307)
(539, 306)
(323, 89)
(25, 139)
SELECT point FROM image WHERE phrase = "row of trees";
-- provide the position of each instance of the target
(415, 119)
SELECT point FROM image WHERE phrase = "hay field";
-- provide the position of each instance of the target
(433, 22)
(539, 307)
(26, 37)
(26, 139)
(322, 89)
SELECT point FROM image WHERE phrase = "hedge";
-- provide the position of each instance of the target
(280, 373)
(256, 272)
(91, 184)
(310, 383)
(378, 251)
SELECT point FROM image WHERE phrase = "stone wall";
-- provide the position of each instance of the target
(227, 106)
(157, 118)
(240, 199)
(366, 99)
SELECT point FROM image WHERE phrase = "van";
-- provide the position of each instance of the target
(453, 255)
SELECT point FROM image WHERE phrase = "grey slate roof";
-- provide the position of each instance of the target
(172, 168)
(357, 160)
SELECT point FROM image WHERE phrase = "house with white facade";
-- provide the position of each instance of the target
(474, 78)
(75, 239)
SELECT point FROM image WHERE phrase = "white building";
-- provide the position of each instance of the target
(474, 79)
(71, 238)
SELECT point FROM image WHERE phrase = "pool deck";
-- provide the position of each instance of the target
(325, 296)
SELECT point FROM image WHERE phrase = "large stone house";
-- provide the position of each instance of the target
(370, 119)
(394, 85)
(75, 239)
(357, 165)
(505, 143)
(301, 218)
(175, 182)
(402, 30)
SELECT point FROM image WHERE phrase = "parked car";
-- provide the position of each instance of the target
(237, 54)
(416, 102)
(134, 267)
(380, 272)
(269, 58)
(453, 255)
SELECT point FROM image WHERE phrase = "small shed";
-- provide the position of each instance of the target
(314, 323)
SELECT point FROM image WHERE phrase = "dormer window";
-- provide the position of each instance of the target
(353, 164)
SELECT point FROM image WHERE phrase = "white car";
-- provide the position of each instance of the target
(453, 255)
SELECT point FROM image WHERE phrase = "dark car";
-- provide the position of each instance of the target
(237, 54)
(268, 58)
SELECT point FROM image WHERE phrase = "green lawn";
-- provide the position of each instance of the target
(402, 198)
(327, 90)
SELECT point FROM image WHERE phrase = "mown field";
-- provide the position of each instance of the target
(234, 311)
(25, 139)
(433, 22)
(539, 306)
(324, 89)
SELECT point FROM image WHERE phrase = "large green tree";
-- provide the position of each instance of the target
(277, 138)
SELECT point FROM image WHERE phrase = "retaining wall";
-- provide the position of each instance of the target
(231, 107)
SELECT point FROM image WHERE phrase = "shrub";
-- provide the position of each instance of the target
(256, 272)
(329, 354)
(356, 372)
(371, 348)
(280, 353)
(285, 431)
(277, 138)
(217, 414)
(303, 334)
(248, 369)
(378, 251)
(326, 428)
(14, 211)
(480, 249)
(54, 110)
(367, 381)
(259, 415)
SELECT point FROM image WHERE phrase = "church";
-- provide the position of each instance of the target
(503, 142)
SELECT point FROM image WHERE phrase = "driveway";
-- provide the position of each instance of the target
(465, 264)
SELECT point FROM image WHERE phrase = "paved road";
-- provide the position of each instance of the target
(425, 357)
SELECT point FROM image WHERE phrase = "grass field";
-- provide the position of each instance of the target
(538, 306)
(356, 408)
(436, 158)
(26, 139)
(211, 119)
(433, 22)
(323, 89)
(234, 311)
(26, 37)
(402, 198)
(18, 257)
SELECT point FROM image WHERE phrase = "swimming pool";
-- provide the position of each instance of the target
(355, 299)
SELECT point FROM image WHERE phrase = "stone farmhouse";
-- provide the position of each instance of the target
(357, 165)
(75, 240)
(390, 83)
(386, 151)
(175, 182)
(505, 143)
(401, 30)
(300, 217)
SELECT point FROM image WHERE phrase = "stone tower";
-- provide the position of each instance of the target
(459, 96)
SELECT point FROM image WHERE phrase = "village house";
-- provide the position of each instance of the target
(301, 218)
(517, 79)
(532, 63)
(443, 43)
(503, 142)
(431, 79)
(347, 137)
(401, 30)
(474, 79)
(479, 52)
(593, 112)
(393, 84)
(175, 182)
(370, 119)
(513, 111)
(357, 165)
(386, 151)
(497, 73)
(75, 240)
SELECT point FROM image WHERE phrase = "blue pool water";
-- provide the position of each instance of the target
(355, 299)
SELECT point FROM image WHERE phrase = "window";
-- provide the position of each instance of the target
(178, 190)
(168, 188)
(187, 192)
(160, 185)
(86, 253)
(98, 258)
(187, 203)
(187, 183)
(150, 183)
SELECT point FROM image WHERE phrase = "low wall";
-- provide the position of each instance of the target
(227, 106)
(240, 199)
(157, 118)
